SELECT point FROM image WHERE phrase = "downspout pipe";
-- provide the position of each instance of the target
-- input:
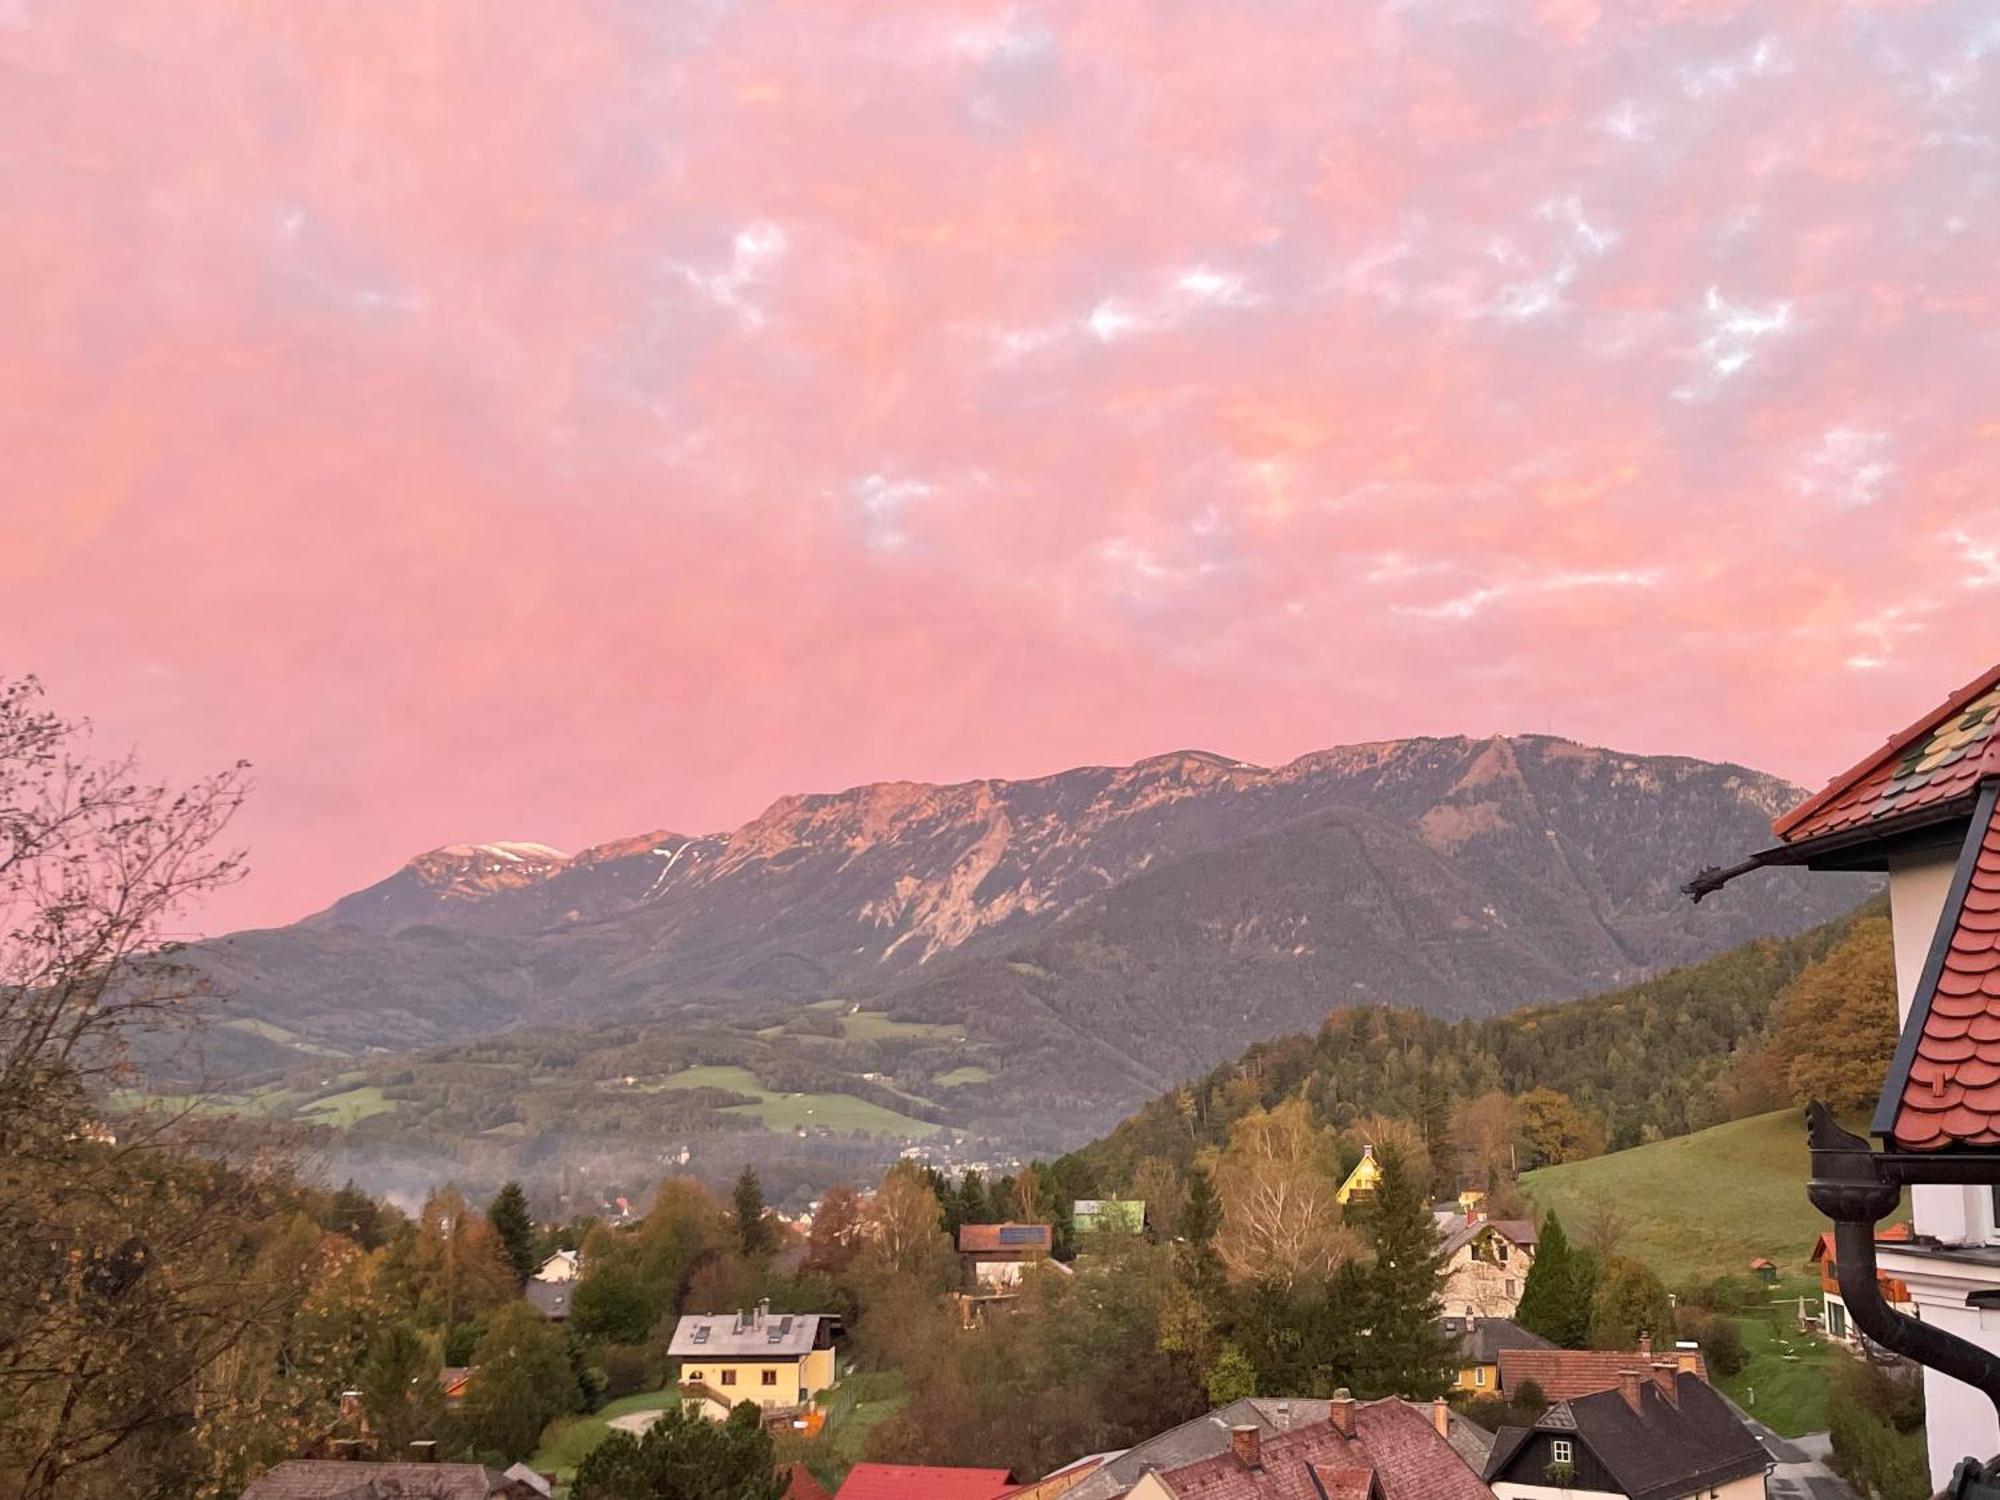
(1847, 1187)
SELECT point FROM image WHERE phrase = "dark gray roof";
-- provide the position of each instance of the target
(332, 1479)
(1665, 1448)
(1480, 1340)
(745, 1335)
(550, 1298)
(1468, 1439)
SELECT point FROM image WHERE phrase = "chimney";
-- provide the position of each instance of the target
(764, 1313)
(1441, 1417)
(1340, 1412)
(424, 1451)
(1246, 1443)
(1629, 1382)
(1645, 1346)
(1666, 1375)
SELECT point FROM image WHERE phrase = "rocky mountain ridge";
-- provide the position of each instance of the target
(1156, 916)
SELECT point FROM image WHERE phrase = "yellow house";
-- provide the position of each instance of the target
(1480, 1341)
(1364, 1179)
(776, 1361)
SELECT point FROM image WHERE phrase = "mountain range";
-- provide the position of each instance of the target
(1096, 934)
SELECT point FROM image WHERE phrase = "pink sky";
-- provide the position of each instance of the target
(556, 420)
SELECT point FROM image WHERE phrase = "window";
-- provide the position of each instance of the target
(729, 1377)
(1500, 1247)
(692, 1377)
(1559, 1451)
(1510, 1286)
(1479, 1375)
(770, 1377)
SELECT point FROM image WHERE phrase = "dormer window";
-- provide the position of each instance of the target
(1561, 1451)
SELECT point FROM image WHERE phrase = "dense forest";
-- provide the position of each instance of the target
(1678, 1052)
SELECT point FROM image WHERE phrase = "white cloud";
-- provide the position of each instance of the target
(1848, 468)
(753, 251)
(1473, 602)
(1578, 241)
(1984, 558)
(1710, 80)
(1734, 332)
(881, 500)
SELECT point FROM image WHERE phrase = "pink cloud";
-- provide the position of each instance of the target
(553, 422)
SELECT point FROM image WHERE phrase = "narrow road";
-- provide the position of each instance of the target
(1799, 1464)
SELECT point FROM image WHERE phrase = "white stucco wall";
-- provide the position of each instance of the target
(1959, 1420)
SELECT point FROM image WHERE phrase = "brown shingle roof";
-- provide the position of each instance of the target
(329, 1479)
(1567, 1373)
(1938, 759)
(1949, 1092)
(1027, 1239)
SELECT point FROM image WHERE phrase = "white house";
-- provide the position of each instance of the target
(1923, 809)
(562, 1266)
(1486, 1263)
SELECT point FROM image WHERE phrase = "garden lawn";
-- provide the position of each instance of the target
(1698, 1206)
(343, 1110)
(854, 1408)
(1785, 1384)
(567, 1440)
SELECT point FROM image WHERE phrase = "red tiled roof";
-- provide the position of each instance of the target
(1564, 1374)
(1393, 1444)
(1940, 757)
(1951, 1095)
(922, 1482)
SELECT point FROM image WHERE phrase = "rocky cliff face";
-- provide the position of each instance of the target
(1464, 875)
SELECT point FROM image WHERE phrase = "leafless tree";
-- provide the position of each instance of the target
(128, 1279)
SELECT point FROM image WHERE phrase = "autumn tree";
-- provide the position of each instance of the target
(836, 1230)
(1557, 1130)
(1158, 1183)
(1488, 1131)
(1837, 1024)
(904, 1223)
(1629, 1300)
(1279, 1218)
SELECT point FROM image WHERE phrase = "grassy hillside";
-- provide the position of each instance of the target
(1699, 1205)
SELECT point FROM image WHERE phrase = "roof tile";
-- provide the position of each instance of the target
(1941, 756)
(1951, 1095)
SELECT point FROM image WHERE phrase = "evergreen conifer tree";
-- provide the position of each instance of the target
(509, 1216)
(1405, 1351)
(754, 1234)
(1555, 1300)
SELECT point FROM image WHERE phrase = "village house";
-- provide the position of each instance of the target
(1362, 1181)
(549, 1298)
(1088, 1215)
(1377, 1450)
(562, 1266)
(1564, 1373)
(1480, 1341)
(996, 1256)
(1922, 810)
(1455, 1452)
(1659, 1434)
(1486, 1262)
(777, 1362)
(1834, 1319)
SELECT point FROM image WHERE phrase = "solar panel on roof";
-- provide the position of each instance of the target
(1020, 1234)
(701, 1333)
